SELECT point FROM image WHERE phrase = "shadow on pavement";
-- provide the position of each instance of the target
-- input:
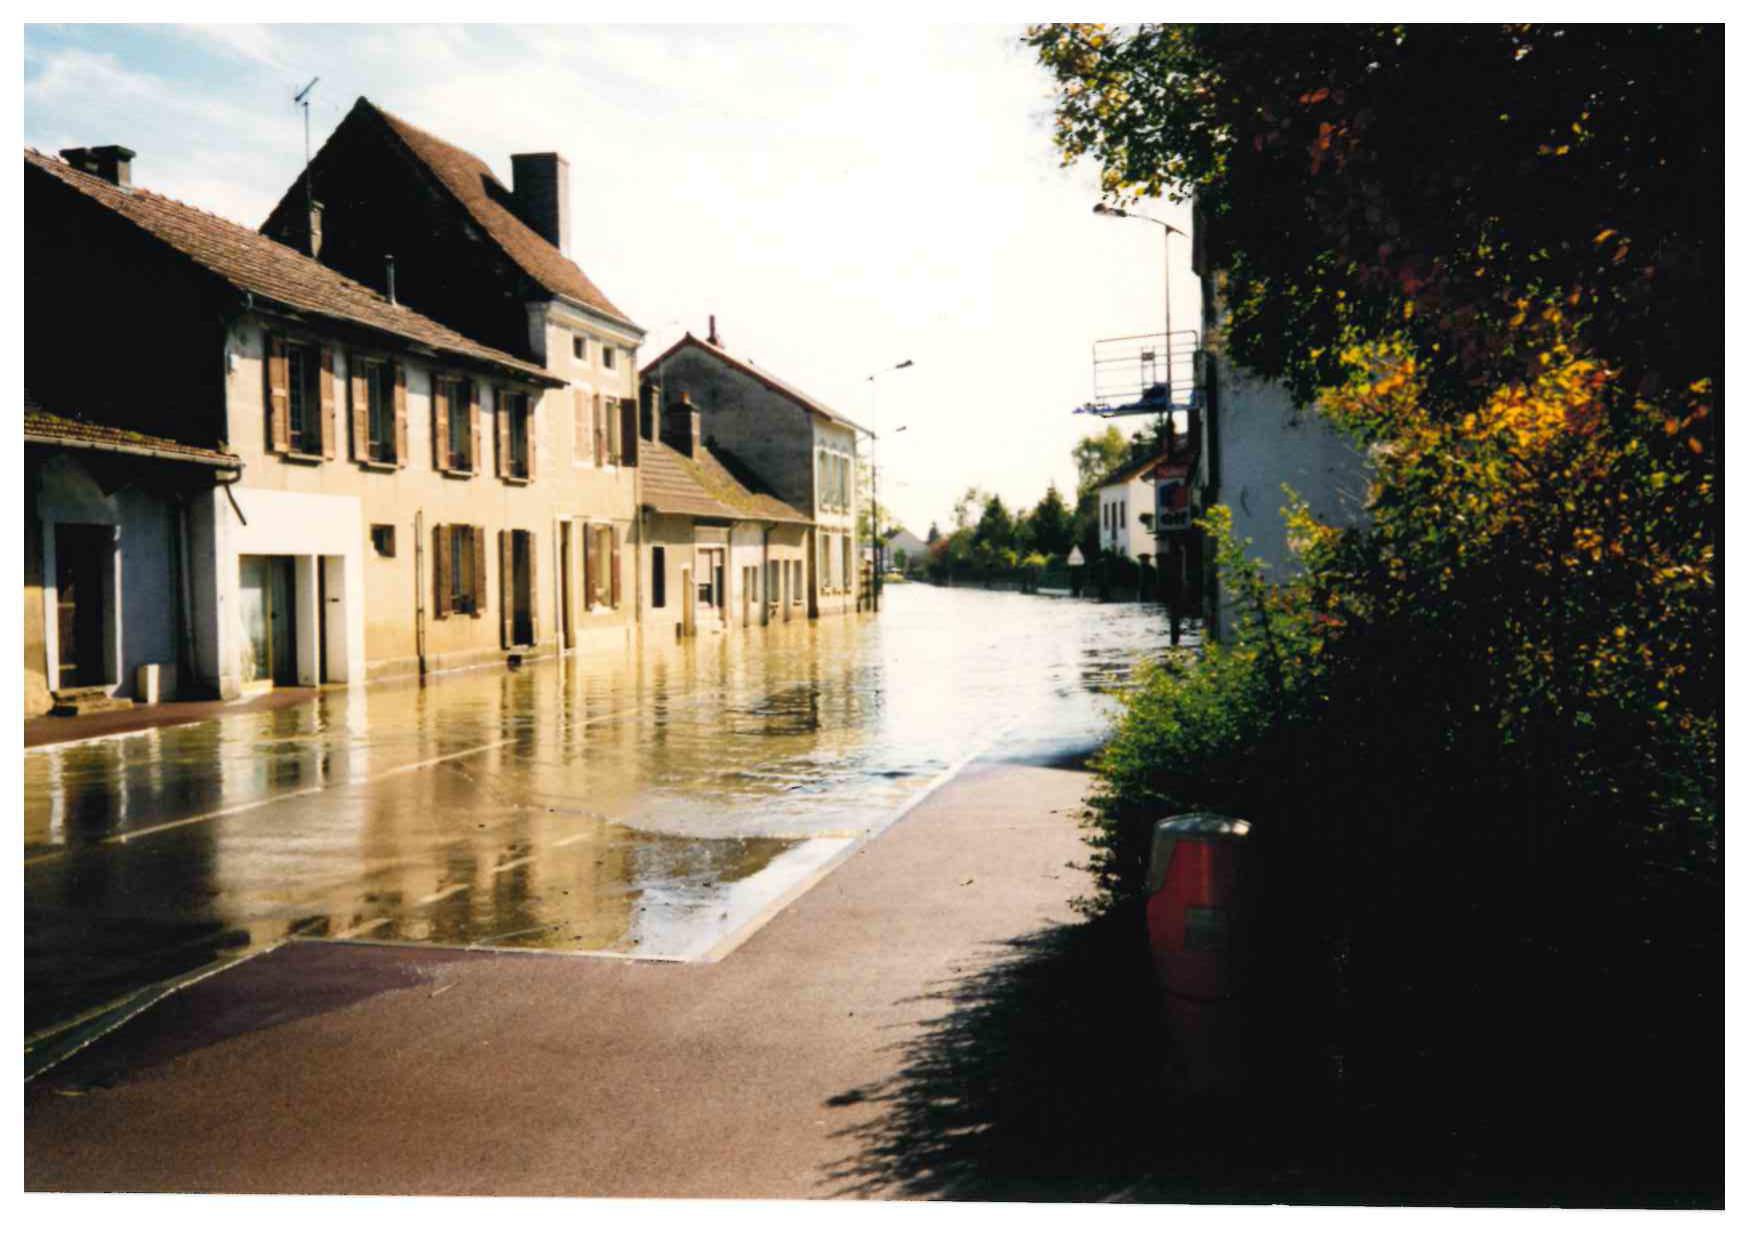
(1048, 1079)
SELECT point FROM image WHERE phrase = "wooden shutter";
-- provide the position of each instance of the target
(479, 569)
(278, 395)
(327, 399)
(503, 435)
(358, 396)
(439, 422)
(600, 438)
(628, 430)
(473, 423)
(533, 590)
(506, 586)
(589, 558)
(616, 559)
(400, 416)
(441, 573)
(528, 429)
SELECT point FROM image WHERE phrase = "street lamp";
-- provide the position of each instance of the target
(1100, 208)
(874, 420)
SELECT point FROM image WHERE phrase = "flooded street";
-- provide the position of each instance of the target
(649, 807)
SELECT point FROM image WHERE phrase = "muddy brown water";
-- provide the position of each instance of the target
(647, 806)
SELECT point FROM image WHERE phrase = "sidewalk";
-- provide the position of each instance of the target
(340, 1068)
(58, 729)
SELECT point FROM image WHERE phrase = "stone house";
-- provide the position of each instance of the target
(387, 496)
(384, 201)
(721, 551)
(805, 451)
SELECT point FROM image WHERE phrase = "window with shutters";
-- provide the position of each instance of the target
(513, 408)
(303, 373)
(463, 588)
(658, 577)
(375, 384)
(614, 452)
(458, 394)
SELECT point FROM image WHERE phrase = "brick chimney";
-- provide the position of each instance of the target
(713, 337)
(682, 426)
(113, 163)
(541, 187)
(650, 400)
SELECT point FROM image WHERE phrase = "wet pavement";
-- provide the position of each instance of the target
(647, 807)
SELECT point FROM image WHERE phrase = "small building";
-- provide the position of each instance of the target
(722, 551)
(804, 450)
(905, 550)
(107, 608)
(396, 503)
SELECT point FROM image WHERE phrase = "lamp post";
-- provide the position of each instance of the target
(874, 433)
(1100, 208)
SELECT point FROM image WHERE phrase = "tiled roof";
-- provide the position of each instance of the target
(470, 179)
(259, 265)
(747, 368)
(41, 426)
(1136, 469)
(703, 486)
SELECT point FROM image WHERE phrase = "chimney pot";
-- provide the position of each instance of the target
(541, 194)
(113, 163)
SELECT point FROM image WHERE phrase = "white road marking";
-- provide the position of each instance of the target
(363, 928)
(444, 894)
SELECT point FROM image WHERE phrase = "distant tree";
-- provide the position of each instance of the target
(972, 501)
(995, 527)
(1052, 526)
(934, 533)
(1097, 455)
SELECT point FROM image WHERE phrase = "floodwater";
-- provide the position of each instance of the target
(645, 806)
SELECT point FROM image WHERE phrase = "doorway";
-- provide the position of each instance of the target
(84, 559)
(522, 587)
(267, 598)
(566, 605)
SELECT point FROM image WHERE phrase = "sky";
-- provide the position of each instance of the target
(841, 198)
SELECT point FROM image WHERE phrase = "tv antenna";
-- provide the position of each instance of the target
(302, 99)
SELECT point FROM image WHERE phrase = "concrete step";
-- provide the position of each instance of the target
(87, 701)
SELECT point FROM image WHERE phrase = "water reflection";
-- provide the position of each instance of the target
(645, 806)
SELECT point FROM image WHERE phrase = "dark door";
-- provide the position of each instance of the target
(84, 555)
(522, 589)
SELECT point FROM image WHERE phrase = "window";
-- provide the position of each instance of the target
(382, 537)
(797, 580)
(463, 584)
(604, 558)
(302, 370)
(1123, 512)
(614, 449)
(375, 385)
(609, 357)
(580, 348)
(513, 409)
(658, 576)
(457, 395)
